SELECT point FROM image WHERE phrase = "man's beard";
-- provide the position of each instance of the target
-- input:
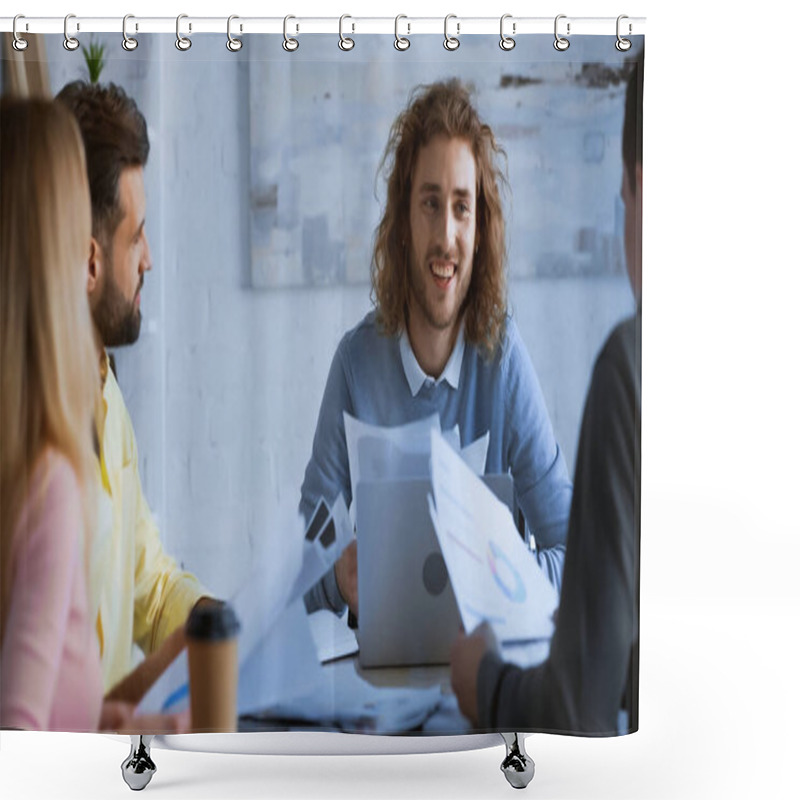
(117, 319)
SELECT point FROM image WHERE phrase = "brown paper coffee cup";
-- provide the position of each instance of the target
(213, 667)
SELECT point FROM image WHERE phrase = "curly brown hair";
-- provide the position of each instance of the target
(443, 108)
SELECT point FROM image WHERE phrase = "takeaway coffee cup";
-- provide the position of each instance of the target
(213, 667)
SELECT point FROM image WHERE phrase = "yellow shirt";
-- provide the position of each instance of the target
(141, 593)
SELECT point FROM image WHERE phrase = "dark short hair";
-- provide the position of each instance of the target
(115, 137)
(632, 123)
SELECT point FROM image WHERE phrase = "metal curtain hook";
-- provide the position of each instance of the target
(451, 42)
(345, 42)
(233, 44)
(561, 43)
(289, 44)
(181, 41)
(70, 42)
(19, 43)
(507, 42)
(128, 42)
(623, 45)
(400, 42)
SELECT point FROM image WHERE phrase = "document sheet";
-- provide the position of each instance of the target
(495, 577)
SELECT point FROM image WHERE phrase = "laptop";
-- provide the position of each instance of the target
(408, 614)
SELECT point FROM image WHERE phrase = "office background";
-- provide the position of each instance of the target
(261, 191)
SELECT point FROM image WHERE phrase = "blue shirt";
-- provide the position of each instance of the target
(372, 379)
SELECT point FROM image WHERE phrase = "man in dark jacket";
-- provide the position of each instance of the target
(592, 671)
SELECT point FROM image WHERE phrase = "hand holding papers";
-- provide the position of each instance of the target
(378, 453)
(277, 658)
(494, 576)
(327, 536)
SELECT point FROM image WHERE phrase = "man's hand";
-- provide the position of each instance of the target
(465, 659)
(119, 717)
(134, 686)
(346, 571)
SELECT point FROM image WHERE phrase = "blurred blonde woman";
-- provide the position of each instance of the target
(49, 657)
(49, 652)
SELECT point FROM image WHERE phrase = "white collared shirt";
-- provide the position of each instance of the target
(416, 376)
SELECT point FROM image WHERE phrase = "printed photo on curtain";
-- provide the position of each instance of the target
(321, 385)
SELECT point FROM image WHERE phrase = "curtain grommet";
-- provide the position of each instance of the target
(622, 44)
(70, 43)
(18, 43)
(290, 44)
(129, 43)
(400, 42)
(345, 42)
(507, 42)
(561, 43)
(451, 43)
(183, 43)
(233, 44)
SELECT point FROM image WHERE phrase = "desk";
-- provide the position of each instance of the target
(388, 701)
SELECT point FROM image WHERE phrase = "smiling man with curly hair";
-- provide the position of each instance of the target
(440, 339)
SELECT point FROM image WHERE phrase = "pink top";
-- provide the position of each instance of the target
(50, 677)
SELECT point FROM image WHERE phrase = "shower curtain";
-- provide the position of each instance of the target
(393, 298)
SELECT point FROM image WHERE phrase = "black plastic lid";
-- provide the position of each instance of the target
(212, 622)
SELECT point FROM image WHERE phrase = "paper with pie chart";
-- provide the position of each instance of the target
(495, 577)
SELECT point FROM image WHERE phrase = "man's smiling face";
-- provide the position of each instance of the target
(443, 230)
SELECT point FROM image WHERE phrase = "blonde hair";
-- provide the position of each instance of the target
(48, 362)
(442, 109)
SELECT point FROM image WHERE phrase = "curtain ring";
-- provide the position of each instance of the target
(289, 44)
(19, 43)
(507, 42)
(233, 44)
(128, 42)
(183, 43)
(400, 42)
(623, 45)
(70, 42)
(345, 42)
(451, 42)
(561, 43)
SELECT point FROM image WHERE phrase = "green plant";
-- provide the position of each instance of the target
(94, 56)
